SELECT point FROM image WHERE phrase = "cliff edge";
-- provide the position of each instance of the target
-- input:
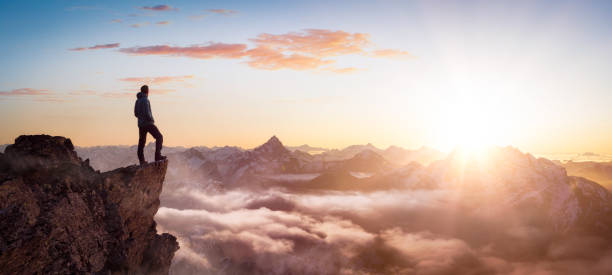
(59, 216)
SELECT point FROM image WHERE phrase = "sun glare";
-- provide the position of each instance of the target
(470, 126)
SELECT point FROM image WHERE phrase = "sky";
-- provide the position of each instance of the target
(531, 74)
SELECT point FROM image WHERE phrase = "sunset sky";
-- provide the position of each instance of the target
(532, 74)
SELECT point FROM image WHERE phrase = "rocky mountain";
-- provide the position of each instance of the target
(268, 162)
(503, 180)
(60, 216)
(393, 154)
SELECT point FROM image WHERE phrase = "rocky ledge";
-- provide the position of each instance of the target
(59, 216)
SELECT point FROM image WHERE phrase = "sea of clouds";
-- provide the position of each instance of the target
(283, 231)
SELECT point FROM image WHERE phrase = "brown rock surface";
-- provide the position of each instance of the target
(59, 216)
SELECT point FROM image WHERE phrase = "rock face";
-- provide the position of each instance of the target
(59, 216)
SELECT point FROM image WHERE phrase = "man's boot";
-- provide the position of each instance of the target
(159, 157)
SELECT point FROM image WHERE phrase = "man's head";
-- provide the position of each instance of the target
(144, 89)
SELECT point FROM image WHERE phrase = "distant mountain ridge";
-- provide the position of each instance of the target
(106, 158)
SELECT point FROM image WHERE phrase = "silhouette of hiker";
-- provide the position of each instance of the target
(142, 110)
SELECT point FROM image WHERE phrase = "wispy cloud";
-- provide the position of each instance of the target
(83, 92)
(25, 92)
(84, 8)
(222, 11)
(39, 95)
(197, 51)
(197, 17)
(158, 79)
(311, 49)
(390, 53)
(163, 23)
(159, 8)
(117, 94)
(347, 70)
(138, 25)
(116, 21)
(97, 47)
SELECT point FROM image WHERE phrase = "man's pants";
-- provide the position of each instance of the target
(159, 139)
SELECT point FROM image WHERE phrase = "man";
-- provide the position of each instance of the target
(142, 110)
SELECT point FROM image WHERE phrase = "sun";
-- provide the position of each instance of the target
(470, 126)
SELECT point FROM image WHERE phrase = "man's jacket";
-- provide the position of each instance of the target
(142, 110)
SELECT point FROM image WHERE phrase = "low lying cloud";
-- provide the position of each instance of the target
(97, 47)
(159, 8)
(278, 231)
(311, 49)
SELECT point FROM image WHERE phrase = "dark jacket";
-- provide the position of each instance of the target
(142, 110)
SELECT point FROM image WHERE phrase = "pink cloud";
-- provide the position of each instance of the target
(271, 59)
(97, 47)
(163, 23)
(317, 42)
(222, 11)
(118, 94)
(83, 92)
(24, 92)
(390, 53)
(198, 51)
(311, 49)
(159, 8)
(138, 25)
(158, 79)
(347, 70)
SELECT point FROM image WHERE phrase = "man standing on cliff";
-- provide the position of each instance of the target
(142, 110)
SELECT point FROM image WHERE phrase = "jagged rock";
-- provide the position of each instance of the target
(59, 216)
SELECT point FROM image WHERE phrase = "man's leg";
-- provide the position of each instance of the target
(159, 140)
(142, 139)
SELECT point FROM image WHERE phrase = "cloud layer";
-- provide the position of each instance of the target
(386, 232)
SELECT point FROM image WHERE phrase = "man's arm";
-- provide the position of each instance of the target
(136, 112)
(148, 112)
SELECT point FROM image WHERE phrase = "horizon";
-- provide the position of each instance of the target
(557, 156)
(410, 74)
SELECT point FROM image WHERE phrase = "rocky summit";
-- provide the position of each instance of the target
(60, 216)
